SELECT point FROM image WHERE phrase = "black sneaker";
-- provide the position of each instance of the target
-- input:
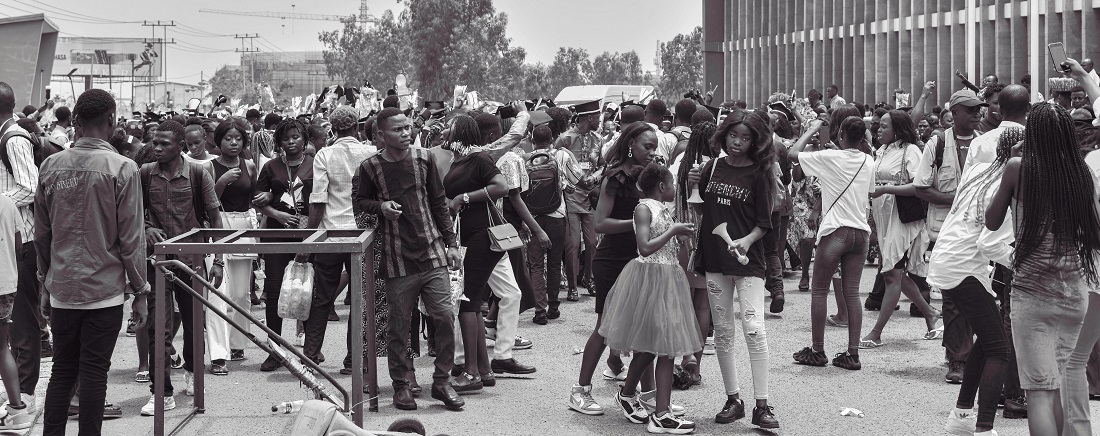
(669, 424)
(954, 373)
(732, 411)
(553, 313)
(847, 361)
(236, 355)
(573, 295)
(777, 302)
(632, 408)
(177, 361)
(333, 316)
(270, 364)
(1015, 408)
(764, 418)
(540, 318)
(807, 356)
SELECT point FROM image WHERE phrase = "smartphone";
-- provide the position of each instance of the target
(1058, 56)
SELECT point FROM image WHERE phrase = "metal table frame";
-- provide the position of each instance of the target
(227, 241)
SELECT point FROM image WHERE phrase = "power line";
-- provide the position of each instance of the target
(69, 16)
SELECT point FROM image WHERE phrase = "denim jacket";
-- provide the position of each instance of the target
(89, 224)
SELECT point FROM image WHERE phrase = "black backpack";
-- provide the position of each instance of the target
(545, 193)
(41, 147)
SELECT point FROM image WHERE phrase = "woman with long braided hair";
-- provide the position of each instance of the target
(699, 151)
(958, 267)
(1057, 233)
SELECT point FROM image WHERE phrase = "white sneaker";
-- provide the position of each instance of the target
(960, 423)
(668, 423)
(300, 340)
(29, 400)
(580, 399)
(935, 294)
(649, 401)
(149, 408)
(708, 346)
(17, 419)
(188, 383)
(986, 433)
(611, 375)
(632, 408)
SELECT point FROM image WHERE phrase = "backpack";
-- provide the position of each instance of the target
(41, 147)
(545, 193)
(146, 173)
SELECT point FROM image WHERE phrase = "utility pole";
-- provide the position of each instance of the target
(152, 86)
(252, 49)
(163, 54)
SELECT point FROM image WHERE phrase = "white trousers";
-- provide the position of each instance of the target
(504, 286)
(220, 336)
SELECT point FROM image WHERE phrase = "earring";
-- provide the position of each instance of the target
(630, 153)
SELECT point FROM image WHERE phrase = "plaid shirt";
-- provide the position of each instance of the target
(21, 184)
(333, 173)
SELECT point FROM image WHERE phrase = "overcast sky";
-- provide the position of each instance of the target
(538, 26)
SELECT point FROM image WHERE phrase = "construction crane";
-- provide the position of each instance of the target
(364, 16)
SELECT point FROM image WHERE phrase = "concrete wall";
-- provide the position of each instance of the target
(871, 47)
(27, 46)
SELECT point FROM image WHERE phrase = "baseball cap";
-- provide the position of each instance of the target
(967, 98)
(343, 118)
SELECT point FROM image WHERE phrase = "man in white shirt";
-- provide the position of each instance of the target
(331, 208)
(984, 148)
(1087, 65)
(832, 100)
(666, 142)
(60, 135)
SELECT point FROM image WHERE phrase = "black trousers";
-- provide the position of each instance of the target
(26, 331)
(326, 282)
(84, 341)
(173, 296)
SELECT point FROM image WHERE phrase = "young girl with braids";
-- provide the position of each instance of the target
(1052, 193)
(738, 192)
(647, 310)
(698, 152)
(959, 268)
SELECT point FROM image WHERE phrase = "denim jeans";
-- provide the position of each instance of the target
(987, 360)
(580, 246)
(773, 261)
(326, 283)
(1075, 386)
(434, 288)
(845, 247)
(1045, 335)
(750, 304)
(173, 296)
(545, 265)
(83, 341)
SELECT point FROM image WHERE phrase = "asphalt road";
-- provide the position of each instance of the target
(900, 389)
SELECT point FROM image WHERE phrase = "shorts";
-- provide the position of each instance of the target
(7, 301)
(1044, 335)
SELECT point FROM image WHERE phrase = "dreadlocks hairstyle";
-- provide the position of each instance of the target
(1056, 188)
(284, 128)
(697, 147)
(904, 128)
(762, 153)
(620, 151)
(991, 177)
(464, 132)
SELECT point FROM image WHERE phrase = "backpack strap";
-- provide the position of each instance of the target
(8, 133)
(941, 143)
(196, 192)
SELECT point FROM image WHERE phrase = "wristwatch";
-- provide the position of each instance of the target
(465, 198)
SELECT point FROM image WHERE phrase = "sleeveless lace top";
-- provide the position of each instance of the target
(662, 221)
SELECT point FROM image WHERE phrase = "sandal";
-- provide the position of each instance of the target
(936, 333)
(141, 377)
(867, 344)
(831, 320)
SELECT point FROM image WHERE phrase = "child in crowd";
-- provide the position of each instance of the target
(649, 310)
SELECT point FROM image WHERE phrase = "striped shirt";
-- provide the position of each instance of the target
(21, 183)
(417, 241)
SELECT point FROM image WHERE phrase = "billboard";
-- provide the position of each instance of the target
(103, 57)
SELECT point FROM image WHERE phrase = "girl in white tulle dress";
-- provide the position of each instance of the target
(648, 310)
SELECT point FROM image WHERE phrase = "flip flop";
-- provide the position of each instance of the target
(141, 377)
(869, 344)
(831, 320)
(936, 333)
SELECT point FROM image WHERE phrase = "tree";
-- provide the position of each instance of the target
(681, 64)
(571, 67)
(617, 68)
(355, 55)
(536, 82)
(226, 81)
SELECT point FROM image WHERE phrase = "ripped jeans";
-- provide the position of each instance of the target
(722, 289)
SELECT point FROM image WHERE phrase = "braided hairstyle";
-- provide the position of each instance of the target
(1056, 188)
(284, 128)
(698, 146)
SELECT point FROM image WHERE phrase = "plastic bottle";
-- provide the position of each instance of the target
(848, 411)
(287, 407)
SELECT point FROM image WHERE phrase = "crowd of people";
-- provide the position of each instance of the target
(680, 221)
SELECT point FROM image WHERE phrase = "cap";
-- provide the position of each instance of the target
(591, 107)
(967, 98)
(343, 118)
(539, 118)
(1062, 84)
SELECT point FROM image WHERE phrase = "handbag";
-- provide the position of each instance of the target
(910, 208)
(503, 237)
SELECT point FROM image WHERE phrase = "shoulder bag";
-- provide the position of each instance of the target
(910, 208)
(503, 237)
